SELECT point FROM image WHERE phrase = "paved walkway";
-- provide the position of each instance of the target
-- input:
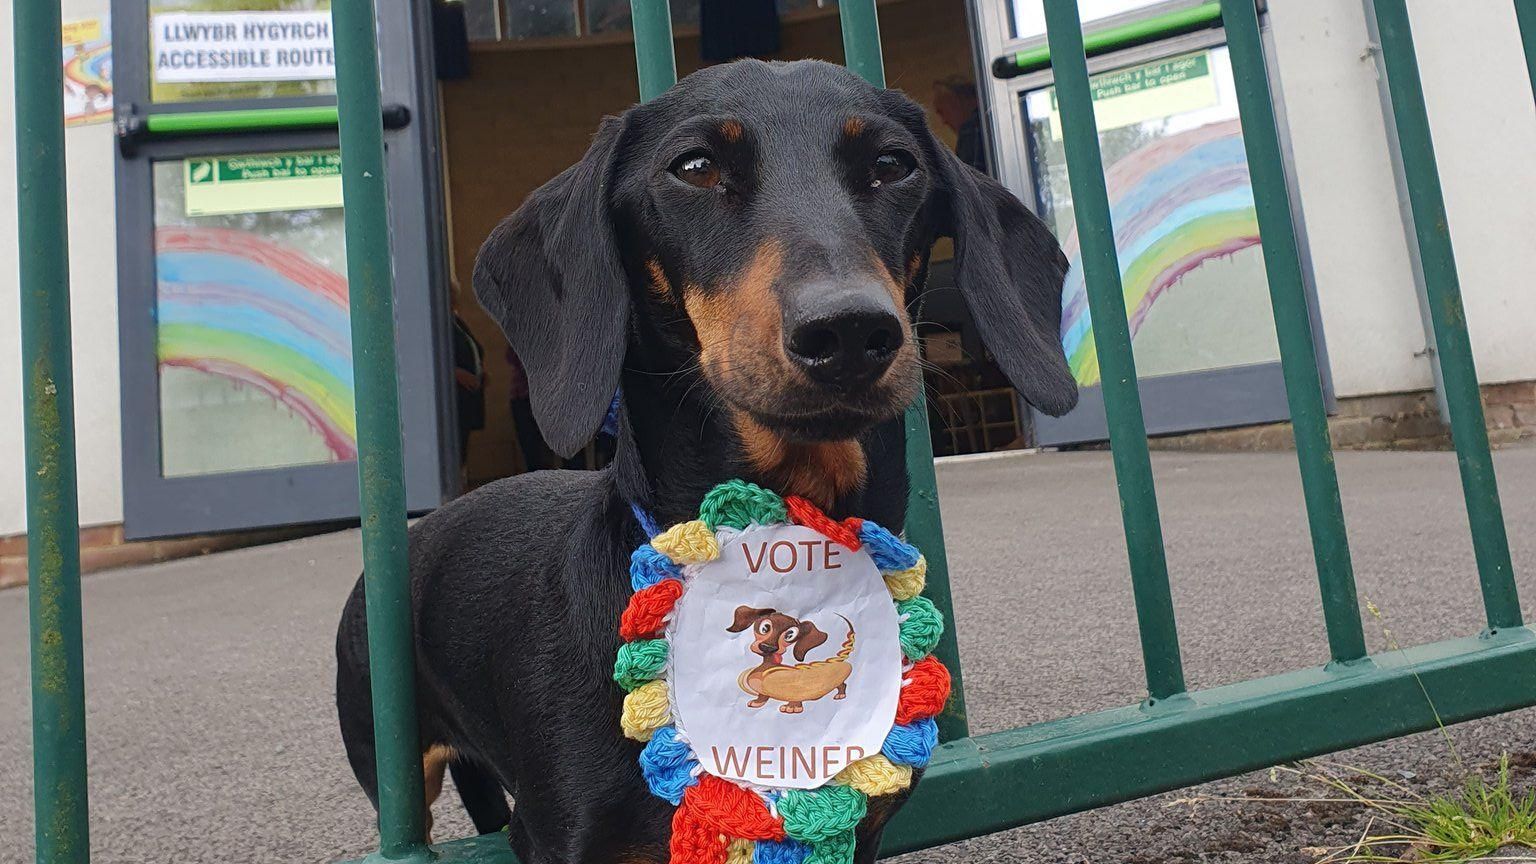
(213, 733)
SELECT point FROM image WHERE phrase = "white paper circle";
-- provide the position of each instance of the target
(751, 710)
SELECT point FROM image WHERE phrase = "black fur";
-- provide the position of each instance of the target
(517, 587)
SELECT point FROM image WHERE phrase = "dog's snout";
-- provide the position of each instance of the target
(844, 338)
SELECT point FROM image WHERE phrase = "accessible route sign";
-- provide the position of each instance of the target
(262, 182)
(205, 47)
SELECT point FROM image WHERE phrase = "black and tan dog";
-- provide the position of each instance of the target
(739, 257)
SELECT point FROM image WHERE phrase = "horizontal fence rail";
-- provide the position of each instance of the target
(62, 827)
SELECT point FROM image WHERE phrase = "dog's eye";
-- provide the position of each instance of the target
(697, 169)
(764, 627)
(889, 167)
(790, 635)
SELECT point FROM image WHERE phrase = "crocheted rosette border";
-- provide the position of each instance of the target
(718, 821)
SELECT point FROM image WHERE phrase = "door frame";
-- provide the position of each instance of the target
(158, 506)
(1183, 402)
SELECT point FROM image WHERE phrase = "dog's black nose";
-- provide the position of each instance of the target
(845, 338)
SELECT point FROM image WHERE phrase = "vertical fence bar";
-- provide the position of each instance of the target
(1112, 337)
(1525, 15)
(1293, 327)
(654, 58)
(925, 526)
(1454, 349)
(62, 827)
(370, 281)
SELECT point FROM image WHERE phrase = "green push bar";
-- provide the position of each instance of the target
(1122, 400)
(1293, 327)
(249, 120)
(925, 527)
(391, 650)
(1176, 23)
(1454, 349)
(53, 518)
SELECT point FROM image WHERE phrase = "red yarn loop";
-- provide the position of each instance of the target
(803, 512)
(725, 808)
(693, 842)
(648, 607)
(926, 693)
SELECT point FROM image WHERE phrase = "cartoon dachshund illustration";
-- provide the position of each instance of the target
(773, 633)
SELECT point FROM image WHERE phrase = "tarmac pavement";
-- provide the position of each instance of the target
(209, 681)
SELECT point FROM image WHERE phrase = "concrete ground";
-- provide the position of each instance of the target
(209, 680)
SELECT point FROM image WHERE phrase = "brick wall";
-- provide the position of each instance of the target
(1391, 421)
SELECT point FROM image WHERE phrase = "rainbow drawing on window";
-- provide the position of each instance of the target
(1175, 204)
(263, 317)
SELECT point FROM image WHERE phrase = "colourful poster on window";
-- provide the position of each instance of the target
(87, 72)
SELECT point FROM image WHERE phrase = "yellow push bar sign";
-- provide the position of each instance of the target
(262, 182)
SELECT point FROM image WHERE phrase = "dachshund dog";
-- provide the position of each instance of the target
(741, 259)
(773, 633)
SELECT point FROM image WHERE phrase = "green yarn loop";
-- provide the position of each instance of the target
(922, 628)
(737, 504)
(639, 662)
(817, 815)
(834, 850)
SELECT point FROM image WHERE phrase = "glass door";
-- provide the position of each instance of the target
(1183, 211)
(233, 300)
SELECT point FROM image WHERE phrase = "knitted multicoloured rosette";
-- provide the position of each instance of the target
(723, 821)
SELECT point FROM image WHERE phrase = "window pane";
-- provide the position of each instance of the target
(252, 334)
(1182, 208)
(239, 49)
(1029, 15)
(533, 19)
(480, 19)
(606, 16)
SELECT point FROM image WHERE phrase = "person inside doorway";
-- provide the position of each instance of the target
(958, 106)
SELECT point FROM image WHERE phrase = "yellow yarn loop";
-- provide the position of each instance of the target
(687, 543)
(740, 851)
(875, 775)
(645, 710)
(906, 584)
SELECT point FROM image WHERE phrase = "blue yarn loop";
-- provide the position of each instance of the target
(786, 851)
(646, 520)
(889, 551)
(667, 765)
(913, 743)
(647, 566)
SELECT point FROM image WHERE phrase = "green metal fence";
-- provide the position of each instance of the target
(975, 785)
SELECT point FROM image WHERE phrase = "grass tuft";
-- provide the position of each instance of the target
(1453, 828)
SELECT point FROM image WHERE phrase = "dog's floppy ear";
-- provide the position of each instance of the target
(1010, 270)
(810, 636)
(745, 615)
(551, 276)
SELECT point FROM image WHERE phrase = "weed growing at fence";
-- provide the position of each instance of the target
(1405, 826)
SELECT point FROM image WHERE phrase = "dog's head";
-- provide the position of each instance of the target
(771, 223)
(773, 632)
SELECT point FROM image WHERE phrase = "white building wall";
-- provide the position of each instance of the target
(1484, 127)
(93, 271)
